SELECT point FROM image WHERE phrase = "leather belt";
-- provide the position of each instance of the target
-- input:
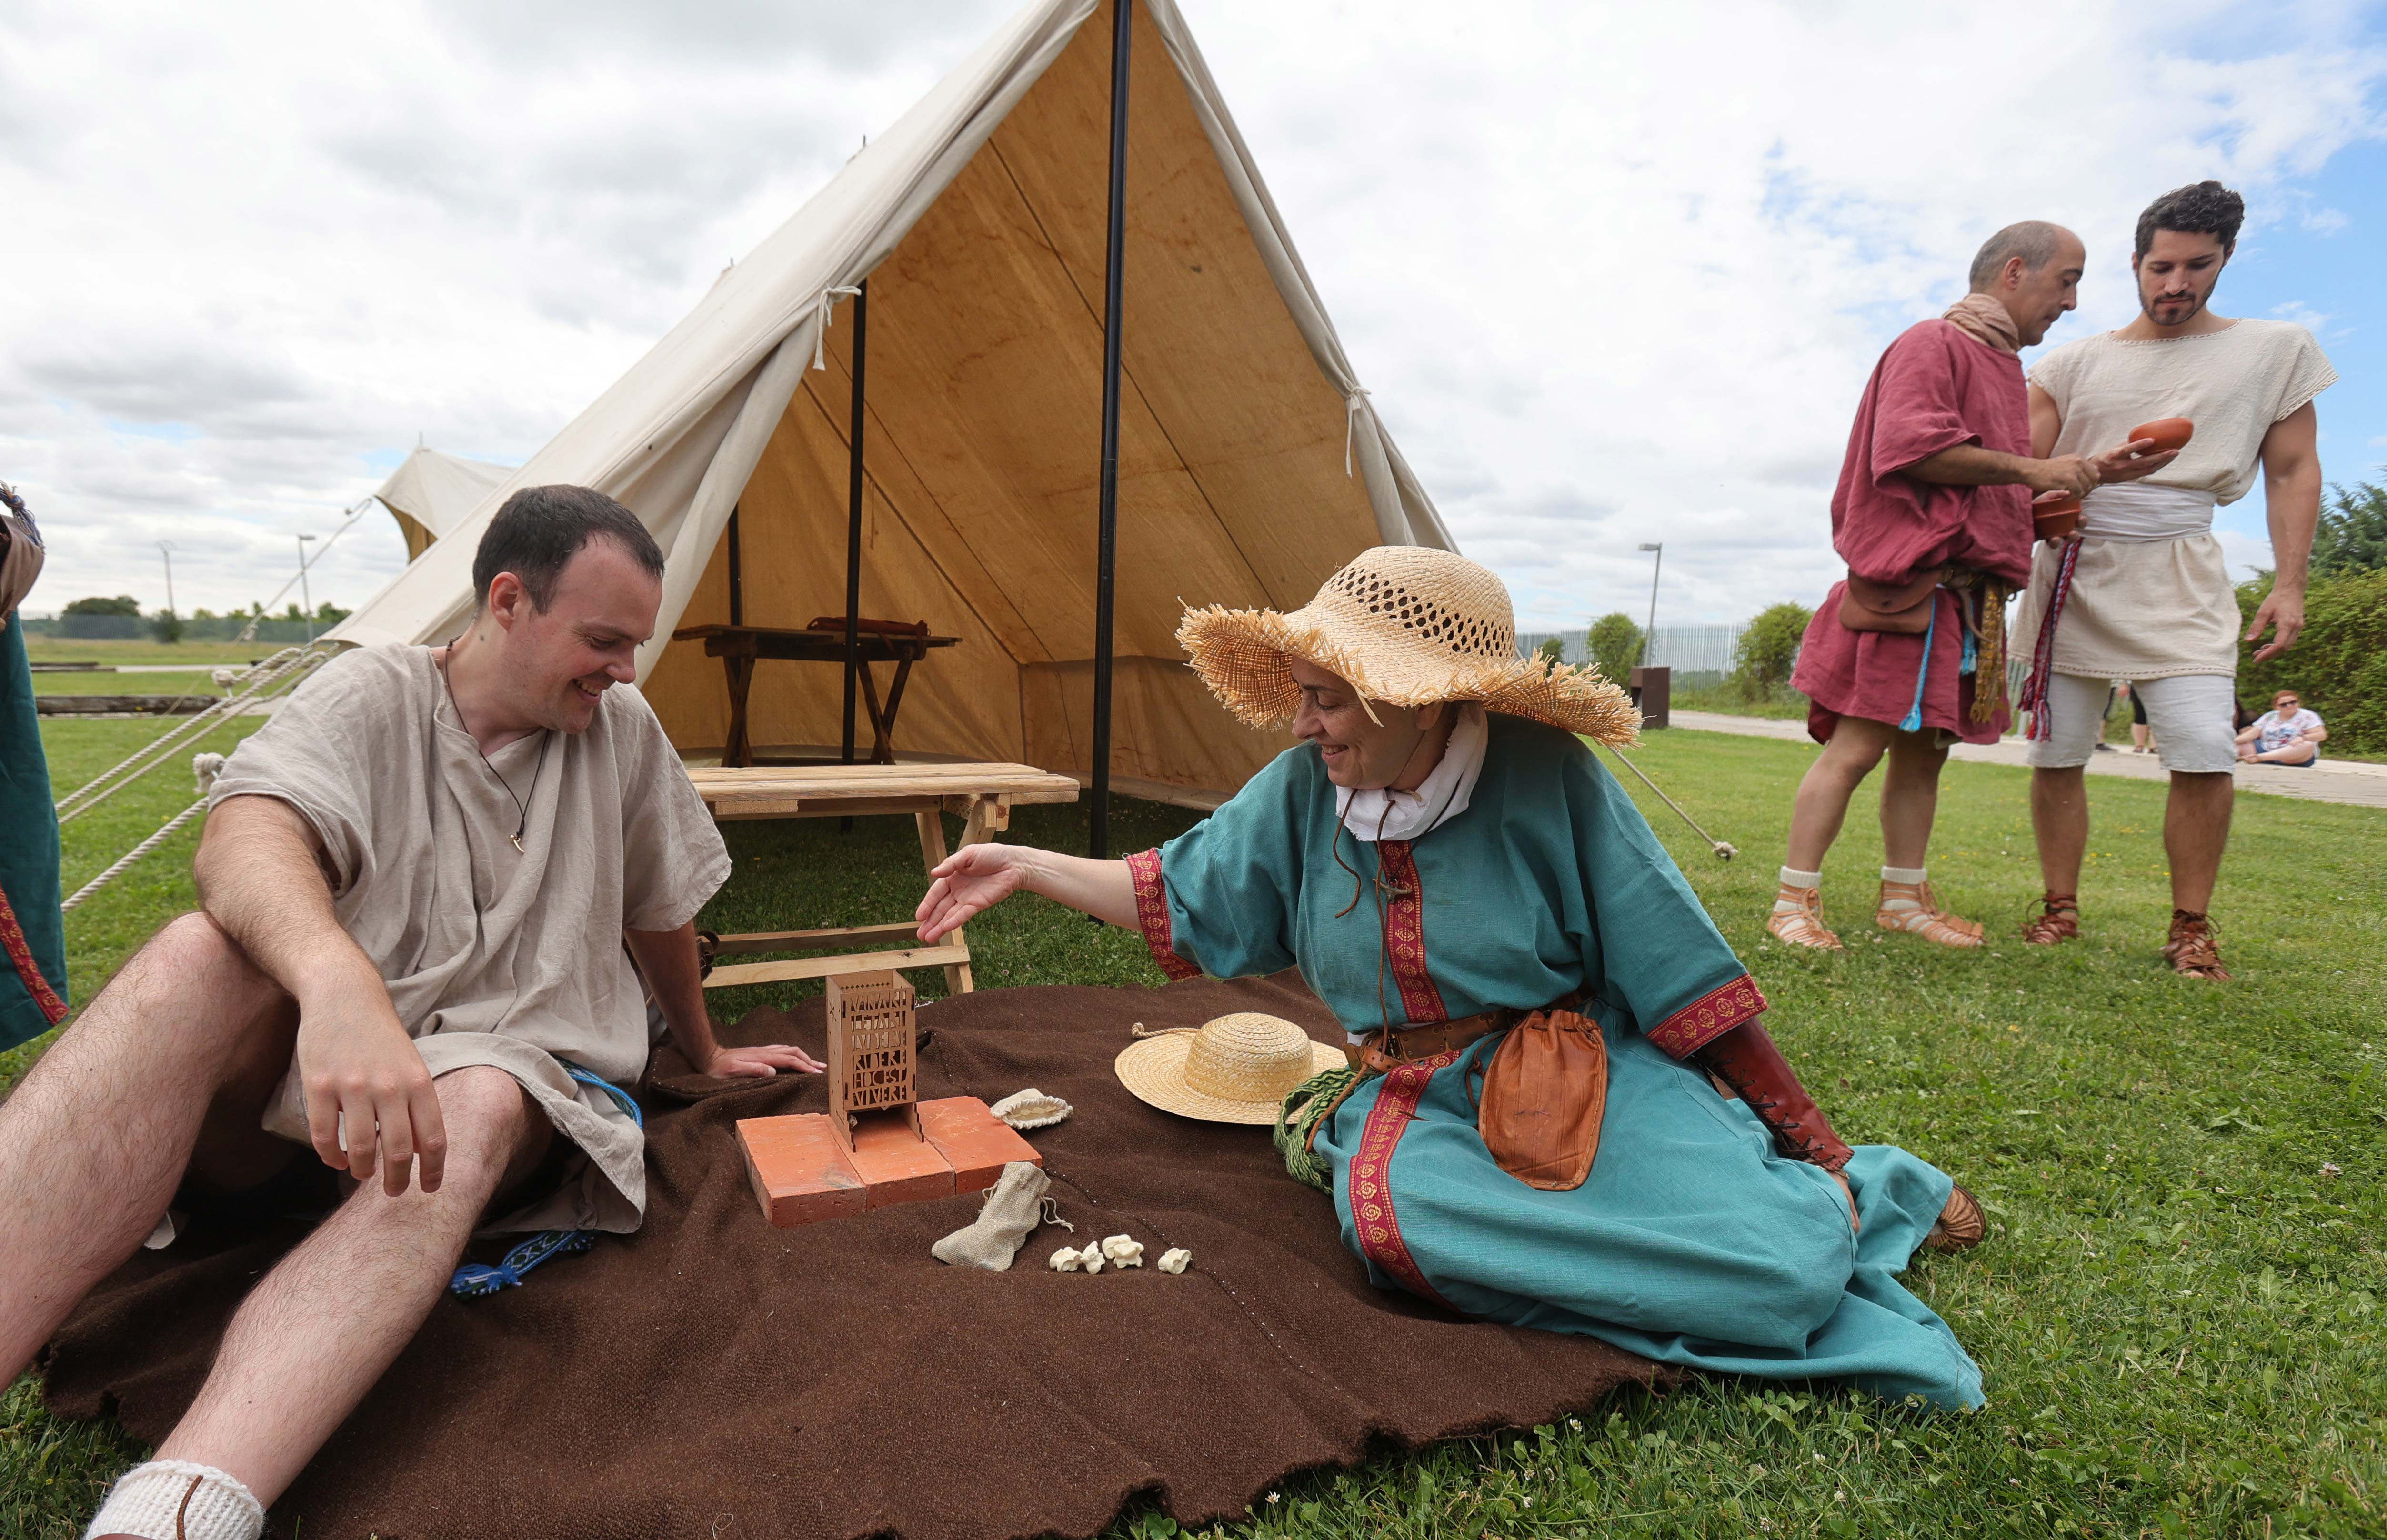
(1387, 1048)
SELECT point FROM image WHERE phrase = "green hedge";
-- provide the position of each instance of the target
(2339, 665)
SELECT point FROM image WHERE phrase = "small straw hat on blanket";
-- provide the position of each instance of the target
(1238, 1069)
(1405, 624)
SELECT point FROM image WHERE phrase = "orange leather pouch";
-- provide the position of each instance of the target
(1544, 1095)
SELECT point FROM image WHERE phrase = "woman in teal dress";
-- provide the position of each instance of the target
(1443, 856)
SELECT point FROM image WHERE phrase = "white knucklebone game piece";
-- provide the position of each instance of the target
(1093, 1256)
(1174, 1261)
(1123, 1252)
(1066, 1259)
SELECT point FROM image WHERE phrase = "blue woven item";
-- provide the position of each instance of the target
(476, 1279)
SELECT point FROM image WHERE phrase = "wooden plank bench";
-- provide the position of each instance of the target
(980, 795)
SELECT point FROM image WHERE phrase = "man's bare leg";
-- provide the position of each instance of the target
(176, 1055)
(2196, 830)
(2059, 821)
(1822, 805)
(1910, 802)
(1910, 798)
(323, 1325)
(1816, 813)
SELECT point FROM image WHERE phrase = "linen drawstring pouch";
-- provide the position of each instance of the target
(993, 1239)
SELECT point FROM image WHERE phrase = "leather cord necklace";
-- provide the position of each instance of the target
(546, 741)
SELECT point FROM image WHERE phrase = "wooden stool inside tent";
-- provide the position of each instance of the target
(980, 795)
(739, 648)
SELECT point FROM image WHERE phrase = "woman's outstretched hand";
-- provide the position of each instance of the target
(973, 878)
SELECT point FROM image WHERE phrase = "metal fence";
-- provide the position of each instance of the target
(1683, 649)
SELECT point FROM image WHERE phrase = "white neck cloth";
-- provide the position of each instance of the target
(1377, 812)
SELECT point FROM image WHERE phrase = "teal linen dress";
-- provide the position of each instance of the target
(1692, 1241)
(32, 933)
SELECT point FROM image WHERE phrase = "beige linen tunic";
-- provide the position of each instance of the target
(492, 957)
(2150, 609)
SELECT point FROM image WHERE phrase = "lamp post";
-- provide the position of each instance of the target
(1657, 559)
(306, 596)
(166, 551)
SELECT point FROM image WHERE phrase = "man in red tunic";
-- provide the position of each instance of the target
(1933, 516)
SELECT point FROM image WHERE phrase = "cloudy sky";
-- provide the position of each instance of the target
(1614, 273)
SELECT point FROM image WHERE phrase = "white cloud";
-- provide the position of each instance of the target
(1614, 273)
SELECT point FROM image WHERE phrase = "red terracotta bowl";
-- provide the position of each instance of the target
(2170, 433)
(2058, 518)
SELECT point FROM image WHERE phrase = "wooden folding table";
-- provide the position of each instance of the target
(980, 795)
(739, 648)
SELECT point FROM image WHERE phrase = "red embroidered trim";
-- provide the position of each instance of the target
(1371, 1176)
(12, 936)
(1152, 914)
(1709, 1017)
(1405, 935)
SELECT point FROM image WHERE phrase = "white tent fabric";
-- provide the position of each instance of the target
(431, 493)
(977, 217)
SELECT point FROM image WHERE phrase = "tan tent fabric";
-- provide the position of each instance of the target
(979, 221)
(430, 494)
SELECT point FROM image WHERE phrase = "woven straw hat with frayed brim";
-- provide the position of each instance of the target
(1238, 1069)
(1405, 624)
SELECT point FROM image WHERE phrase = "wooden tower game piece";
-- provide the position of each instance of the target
(873, 1035)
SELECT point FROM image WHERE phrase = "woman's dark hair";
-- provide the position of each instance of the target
(2199, 209)
(540, 528)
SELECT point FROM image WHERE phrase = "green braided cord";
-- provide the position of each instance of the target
(1323, 1091)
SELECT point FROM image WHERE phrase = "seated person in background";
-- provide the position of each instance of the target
(2287, 733)
(1495, 871)
(419, 881)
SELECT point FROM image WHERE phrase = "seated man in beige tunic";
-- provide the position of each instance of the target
(2145, 595)
(426, 881)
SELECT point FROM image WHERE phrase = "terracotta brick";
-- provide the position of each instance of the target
(975, 1142)
(798, 1169)
(896, 1166)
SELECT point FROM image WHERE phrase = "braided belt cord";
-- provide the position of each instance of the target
(1314, 1099)
(2042, 654)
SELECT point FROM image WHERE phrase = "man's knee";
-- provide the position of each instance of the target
(494, 1130)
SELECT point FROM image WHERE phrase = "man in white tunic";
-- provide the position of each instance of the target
(425, 882)
(2145, 595)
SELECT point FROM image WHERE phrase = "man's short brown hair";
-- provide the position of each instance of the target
(540, 528)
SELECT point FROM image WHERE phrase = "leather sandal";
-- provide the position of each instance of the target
(1962, 1224)
(2193, 948)
(1917, 913)
(1804, 925)
(2058, 920)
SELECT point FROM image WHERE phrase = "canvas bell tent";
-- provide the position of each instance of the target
(430, 494)
(1250, 463)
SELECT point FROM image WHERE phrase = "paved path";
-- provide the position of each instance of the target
(2330, 781)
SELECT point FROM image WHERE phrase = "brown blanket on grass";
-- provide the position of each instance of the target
(712, 1375)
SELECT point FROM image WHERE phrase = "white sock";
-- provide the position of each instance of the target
(1801, 879)
(147, 1499)
(1912, 875)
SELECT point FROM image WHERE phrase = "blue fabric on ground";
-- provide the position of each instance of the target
(29, 854)
(1691, 1243)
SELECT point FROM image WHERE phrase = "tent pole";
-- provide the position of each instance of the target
(854, 518)
(1107, 559)
(736, 584)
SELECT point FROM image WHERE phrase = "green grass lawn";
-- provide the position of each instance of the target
(198, 655)
(104, 682)
(2177, 1312)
